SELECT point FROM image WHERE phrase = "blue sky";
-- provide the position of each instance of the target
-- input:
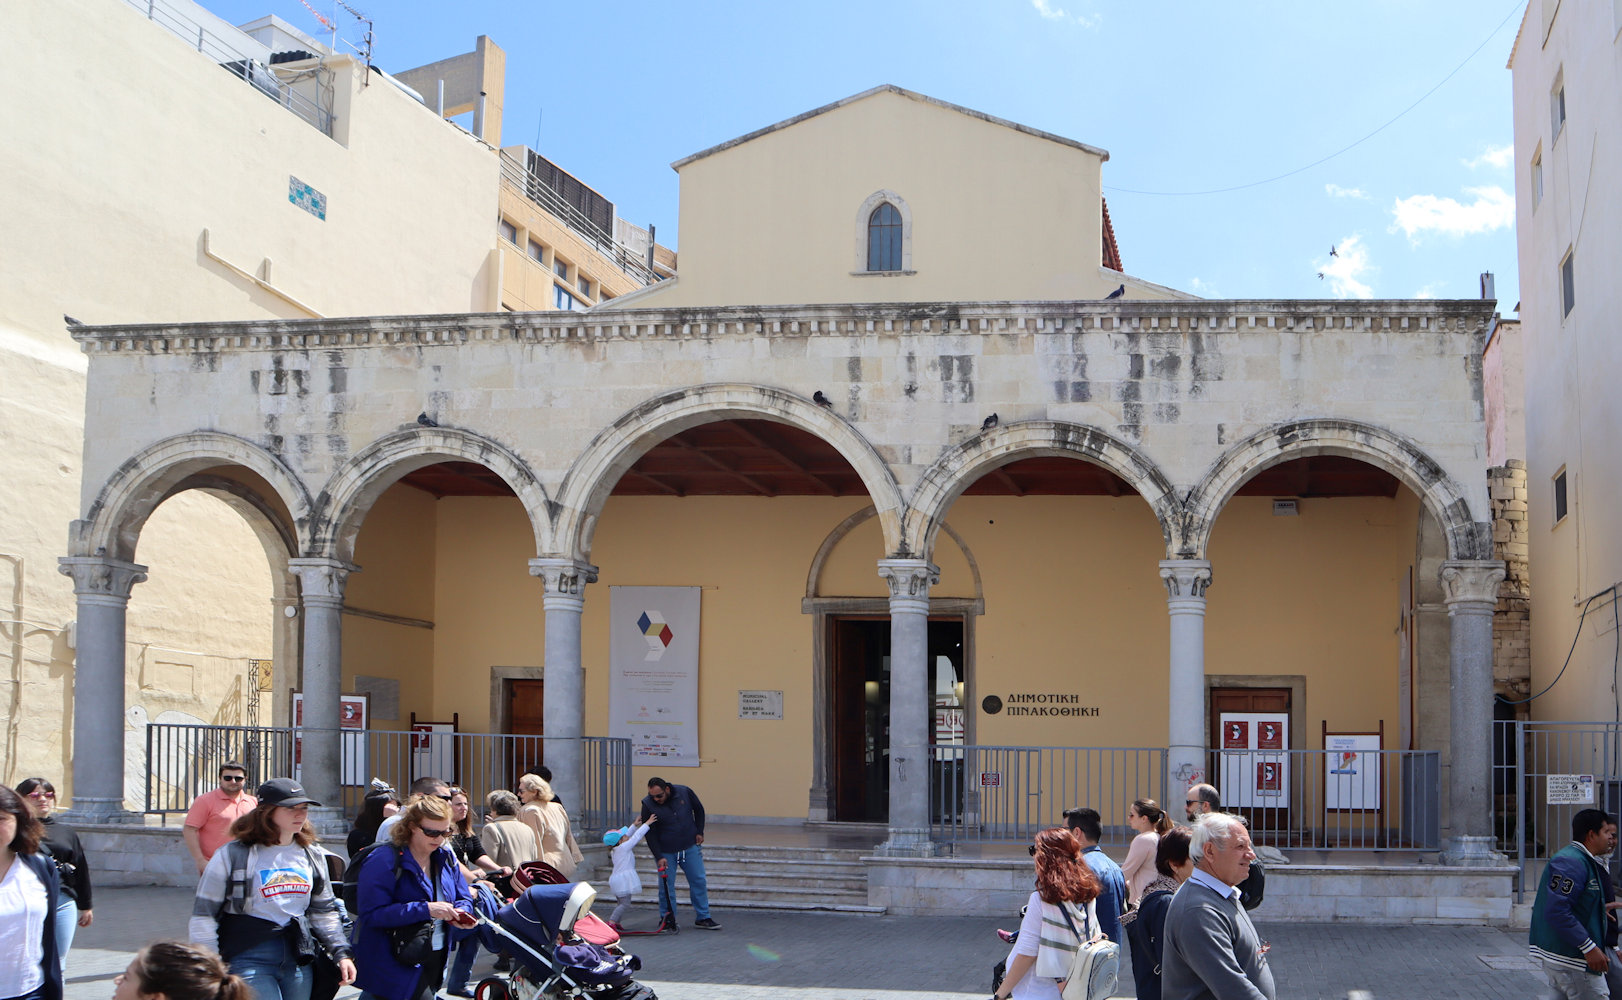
(1187, 97)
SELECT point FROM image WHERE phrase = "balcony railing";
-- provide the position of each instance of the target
(238, 63)
(514, 173)
(183, 761)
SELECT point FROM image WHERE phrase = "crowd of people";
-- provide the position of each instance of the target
(1179, 902)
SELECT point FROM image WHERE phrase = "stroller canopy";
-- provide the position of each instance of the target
(544, 910)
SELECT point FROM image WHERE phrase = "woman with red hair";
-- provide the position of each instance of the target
(1065, 890)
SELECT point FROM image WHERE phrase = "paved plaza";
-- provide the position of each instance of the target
(788, 956)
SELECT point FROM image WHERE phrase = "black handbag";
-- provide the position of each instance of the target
(412, 944)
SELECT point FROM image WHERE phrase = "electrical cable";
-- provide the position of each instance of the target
(1578, 634)
(1343, 149)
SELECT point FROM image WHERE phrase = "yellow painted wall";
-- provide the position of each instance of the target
(397, 556)
(526, 284)
(997, 214)
(1073, 604)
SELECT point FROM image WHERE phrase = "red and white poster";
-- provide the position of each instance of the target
(354, 711)
(1254, 762)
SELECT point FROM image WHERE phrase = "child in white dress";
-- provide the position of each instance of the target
(625, 882)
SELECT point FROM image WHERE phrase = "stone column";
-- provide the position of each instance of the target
(1186, 581)
(909, 581)
(1470, 589)
(564, 599)
(102, 587)
(321, 597)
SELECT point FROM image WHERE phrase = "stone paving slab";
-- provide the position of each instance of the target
(823, 956)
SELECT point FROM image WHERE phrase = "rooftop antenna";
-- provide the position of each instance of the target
(538, 116)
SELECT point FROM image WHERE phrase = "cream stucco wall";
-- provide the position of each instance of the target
(125, 145)
(997, 214)
(1073, 602)
(1573, 411)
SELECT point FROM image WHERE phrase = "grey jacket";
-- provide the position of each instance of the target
(1211, 950)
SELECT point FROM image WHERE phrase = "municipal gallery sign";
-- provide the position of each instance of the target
(1038, 703)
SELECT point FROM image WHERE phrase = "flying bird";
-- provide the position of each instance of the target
(1320, 276)
(821, 400)
(988, 423)
(1332, 251)
(425, 420)
(1117, 293)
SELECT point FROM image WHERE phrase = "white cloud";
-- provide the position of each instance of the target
(1052, 13)
(1493, 208)
(1497, 157)
(1204, 289)
(1428, 291)
(1336, 191)
(1343, 270)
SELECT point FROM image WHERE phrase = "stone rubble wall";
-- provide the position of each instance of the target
(1512, 621)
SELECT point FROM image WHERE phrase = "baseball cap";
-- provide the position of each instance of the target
(612, 837)
(284, 792)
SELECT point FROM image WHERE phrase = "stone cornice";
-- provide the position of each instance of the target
(1204, 316)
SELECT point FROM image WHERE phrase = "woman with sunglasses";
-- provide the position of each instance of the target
(1065, 890)
(265, 898)
(61, 843)
(410, 893)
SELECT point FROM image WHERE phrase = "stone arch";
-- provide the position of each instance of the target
(813, 579)
(954, 471)
(618, 446)
(1441, 495)
(355, 487)
(112, 524)
(863, 213)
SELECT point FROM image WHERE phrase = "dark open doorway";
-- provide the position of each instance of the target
(861, 708)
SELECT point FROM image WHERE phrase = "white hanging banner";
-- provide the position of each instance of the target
(653, 673)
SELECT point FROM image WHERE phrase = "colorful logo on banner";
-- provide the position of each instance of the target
(656, 632)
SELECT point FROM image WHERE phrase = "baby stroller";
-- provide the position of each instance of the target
(552, 961)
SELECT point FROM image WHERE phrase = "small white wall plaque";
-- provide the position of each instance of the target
(760, 704)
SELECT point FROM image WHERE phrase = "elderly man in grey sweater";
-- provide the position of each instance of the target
(1212, 950)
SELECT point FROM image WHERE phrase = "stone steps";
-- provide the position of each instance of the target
(771, 878)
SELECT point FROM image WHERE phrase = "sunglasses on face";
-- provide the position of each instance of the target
(232, 777)
(435, 834)
(39, 793)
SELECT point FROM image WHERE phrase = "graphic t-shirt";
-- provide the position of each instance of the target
(281, 882)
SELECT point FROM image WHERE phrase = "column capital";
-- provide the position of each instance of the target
(563, 581)
(100, 579)
(909, 581)
(321, 581)
(1185, 579)
(1471, 585)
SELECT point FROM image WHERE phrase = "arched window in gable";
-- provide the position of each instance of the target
(884, 238)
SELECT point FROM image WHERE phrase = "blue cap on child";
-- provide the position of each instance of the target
(613, 837)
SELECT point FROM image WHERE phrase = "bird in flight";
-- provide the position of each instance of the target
(1320, 276)
(1332, 251)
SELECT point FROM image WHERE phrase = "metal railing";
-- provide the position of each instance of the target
(1370, 800)
(243, 65)
(183, 761)
(1377, 801)
(515, 173)
(1543, 773)
(992, 794)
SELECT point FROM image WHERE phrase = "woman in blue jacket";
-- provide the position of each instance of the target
(410, 888)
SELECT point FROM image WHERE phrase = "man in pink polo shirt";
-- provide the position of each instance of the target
(208, 822)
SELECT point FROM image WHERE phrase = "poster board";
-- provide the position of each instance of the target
(1254, 759)
(653, 673)
(1352, 772)
(354, 717)
(433, 748)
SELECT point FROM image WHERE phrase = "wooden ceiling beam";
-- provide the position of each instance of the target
(776, 448)
(716, 463)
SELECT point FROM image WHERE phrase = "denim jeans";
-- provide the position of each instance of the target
(272, 970)
(67, 921)
(462, 963)
(1574, 984)
(691, 862)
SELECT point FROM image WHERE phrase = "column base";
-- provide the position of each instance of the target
(908, 843)
(100, 811)
(1473, 852)
(330, 823)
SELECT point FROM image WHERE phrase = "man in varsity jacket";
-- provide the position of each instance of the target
(1569, 919)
